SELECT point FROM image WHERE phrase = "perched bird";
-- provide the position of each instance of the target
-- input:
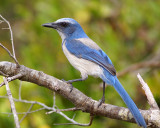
(87, 57)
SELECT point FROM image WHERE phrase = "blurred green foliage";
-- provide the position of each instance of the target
(128, 31)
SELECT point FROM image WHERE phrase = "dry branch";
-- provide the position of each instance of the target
(146, 64)
(12, 56)
(11, 34)
(80, 100)
(148, 93)
(12, 103)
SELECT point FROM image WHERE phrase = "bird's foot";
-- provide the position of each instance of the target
(69, 82)
(102, 100)
(71, 88)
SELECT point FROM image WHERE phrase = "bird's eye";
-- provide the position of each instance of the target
(64, 24)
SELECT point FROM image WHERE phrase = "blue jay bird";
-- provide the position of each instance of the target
(87, 57)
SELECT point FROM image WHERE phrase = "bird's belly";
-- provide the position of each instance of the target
(84, 66)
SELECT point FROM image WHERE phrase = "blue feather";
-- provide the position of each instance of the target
(113, 80)
(80, 50)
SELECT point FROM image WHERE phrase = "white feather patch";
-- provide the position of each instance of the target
(84, 66)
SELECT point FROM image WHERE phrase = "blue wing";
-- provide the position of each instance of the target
(81, 50)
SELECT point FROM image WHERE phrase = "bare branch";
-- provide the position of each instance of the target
(148, 93)
(134, 67)
(80, 100)
(30, 102)
(64, 110)
(12, 103)
(26, 113)
(74, 116)
(79, 124)
(5, 28)
(1, 21)
(44, 107)
(10, 54)
(22, 113)
(9, 79)
(20, 86)
(11, 34)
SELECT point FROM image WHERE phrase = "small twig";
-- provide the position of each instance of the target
(63, 110)
(10, 54)
(11, 33)
(9, 79)
(74, 116)
(69, 109)
(44, 107)
(20, 86)
(1, 21)
(30, 102)
(11, 103)
(79, 124)
(140, 65)
(148, 93)
(22, 113)
(5, 28)
(26, 113)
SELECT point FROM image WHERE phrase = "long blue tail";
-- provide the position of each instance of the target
(129, 102)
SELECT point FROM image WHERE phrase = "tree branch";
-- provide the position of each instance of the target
(80, 100)
(11, 34)
(43, 106)
(9, 79)
(148, 93)
(12, 103)
(12, 56)
(146, 64)
(90, 122)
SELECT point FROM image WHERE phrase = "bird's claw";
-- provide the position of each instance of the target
(71, 87)
(69, 82)
(102, 100)
(63, 80)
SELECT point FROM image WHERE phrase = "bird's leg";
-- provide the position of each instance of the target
(102, 100)
(71, 81)
(75, 80)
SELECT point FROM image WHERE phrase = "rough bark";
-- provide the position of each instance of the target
(80, 100)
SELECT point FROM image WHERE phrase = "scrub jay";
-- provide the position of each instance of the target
(87, 57)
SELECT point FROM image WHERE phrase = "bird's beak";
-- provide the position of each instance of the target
(50, 25)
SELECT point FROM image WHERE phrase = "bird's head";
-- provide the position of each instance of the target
(67, 28)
